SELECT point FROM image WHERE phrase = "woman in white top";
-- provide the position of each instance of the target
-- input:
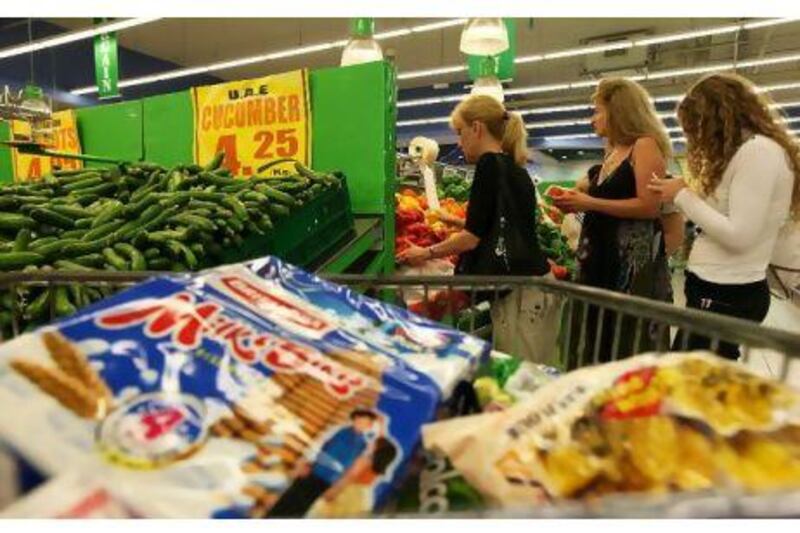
(746, 170)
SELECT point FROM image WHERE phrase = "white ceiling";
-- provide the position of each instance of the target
(192, 42)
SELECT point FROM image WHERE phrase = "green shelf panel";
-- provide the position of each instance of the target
(113, 130)
(169, 128)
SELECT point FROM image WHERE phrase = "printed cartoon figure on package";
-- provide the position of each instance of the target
(231, 394)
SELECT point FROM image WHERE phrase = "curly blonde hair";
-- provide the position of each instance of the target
(631, 114)
(716, 114)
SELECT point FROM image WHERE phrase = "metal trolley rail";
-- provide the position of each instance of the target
(578, 344)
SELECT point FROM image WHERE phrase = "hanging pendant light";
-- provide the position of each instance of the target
(487, 82)
(361, 48)
(484, 37)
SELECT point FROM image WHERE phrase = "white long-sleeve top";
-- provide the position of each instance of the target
(741, 219)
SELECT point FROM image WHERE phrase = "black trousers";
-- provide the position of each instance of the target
(749, 301)
(299, 497)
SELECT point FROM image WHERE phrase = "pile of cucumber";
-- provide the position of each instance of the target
(134, 216)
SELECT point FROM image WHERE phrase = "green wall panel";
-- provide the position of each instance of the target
(113, 130)
(353, 113)
(6, 161)
(169, 128)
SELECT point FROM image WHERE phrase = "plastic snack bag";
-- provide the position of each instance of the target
(224, 394)
(682, 422)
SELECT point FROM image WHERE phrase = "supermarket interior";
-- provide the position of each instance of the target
(400, 267)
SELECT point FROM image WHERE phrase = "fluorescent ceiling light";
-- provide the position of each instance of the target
(438, 25)
(671, 38)
(656, 39)
(673, 73)
(240, 62)
(73, 36)
(431, 72)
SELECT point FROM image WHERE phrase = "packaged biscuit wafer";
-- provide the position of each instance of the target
(222, 395)
(444, 354)
(676, 423)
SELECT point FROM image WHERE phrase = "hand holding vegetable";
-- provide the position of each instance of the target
(414, 255)
(571, 201)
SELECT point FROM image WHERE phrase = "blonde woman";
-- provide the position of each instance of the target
(622, 246)
(746, 169)
(499, 235)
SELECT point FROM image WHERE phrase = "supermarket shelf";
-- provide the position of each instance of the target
(368, 232)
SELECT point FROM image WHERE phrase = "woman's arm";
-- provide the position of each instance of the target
(457, 244)
(674, 226)
(755, 174)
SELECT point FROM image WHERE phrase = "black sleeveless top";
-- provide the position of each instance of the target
(620, 254)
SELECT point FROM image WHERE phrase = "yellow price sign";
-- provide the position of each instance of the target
(29, 167)
(254, 122)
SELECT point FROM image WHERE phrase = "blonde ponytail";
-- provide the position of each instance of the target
(515, 139)
(506, 127)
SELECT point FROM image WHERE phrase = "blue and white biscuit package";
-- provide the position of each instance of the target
(232, 393)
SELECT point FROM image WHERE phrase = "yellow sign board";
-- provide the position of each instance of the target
(29, 167)
(254, 122)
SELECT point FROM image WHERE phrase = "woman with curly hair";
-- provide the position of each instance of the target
(745, 185)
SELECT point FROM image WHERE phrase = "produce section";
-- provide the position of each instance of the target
(205, 312)
(142, 216)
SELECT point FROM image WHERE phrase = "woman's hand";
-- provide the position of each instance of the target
(414, 255)
(573, 201)
(667, 189)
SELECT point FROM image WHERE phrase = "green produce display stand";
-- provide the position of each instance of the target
(353, 131)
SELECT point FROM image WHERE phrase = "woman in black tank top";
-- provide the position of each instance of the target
(621, 246)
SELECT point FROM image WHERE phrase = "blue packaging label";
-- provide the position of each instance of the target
(245, 391)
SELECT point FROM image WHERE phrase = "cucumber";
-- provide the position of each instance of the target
(55, 247)
(135, 256)
(84, 223)
(62, 304)
(180, 250)
(236, 206)
(152, 253)
(104, 189)
(69, 172)
(111, 210)
(215, 162)
(45, 216)
(113, 259)
(159, 263)
(86, 199)
(83, 248)
(194, 221)
(38, 307)
(41, 241)
(103, 231)
(63, 264)
(74, 212)
(84, 184)
(278, 196)
(23, 240)
(15, 222)
(90, 260)
(18, 260)
(169, 235)
(74, 234)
